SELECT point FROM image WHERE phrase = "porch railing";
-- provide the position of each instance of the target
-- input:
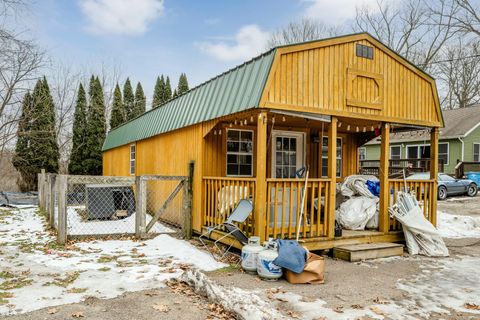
(396, 166)
(284, 198)
(425, 191)
(221, 195)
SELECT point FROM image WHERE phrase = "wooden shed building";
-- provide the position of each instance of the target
(249, 130)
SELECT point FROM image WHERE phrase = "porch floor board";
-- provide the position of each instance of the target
(348, 237)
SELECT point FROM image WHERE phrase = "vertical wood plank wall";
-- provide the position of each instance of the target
(324, 78)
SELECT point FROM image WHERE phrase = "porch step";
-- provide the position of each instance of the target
(365, 251)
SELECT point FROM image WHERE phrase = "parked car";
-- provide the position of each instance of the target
(449, 186)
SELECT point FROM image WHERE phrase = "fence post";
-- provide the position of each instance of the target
(187, 203)
(41, 189)
(141, 207)
(46, 192)
(51, 207)
(62, 209)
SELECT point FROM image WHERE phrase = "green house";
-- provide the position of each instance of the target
(459, 141)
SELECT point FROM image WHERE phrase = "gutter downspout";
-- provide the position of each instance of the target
(463, 147)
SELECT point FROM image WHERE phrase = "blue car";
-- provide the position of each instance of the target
(448, 186)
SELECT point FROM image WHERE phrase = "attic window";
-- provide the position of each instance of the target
(364, 51)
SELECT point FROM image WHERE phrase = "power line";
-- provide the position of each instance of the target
(455, 59)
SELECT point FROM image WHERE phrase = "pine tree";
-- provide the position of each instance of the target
(118, 112)
(23, 153)
(128, 100)
(44, 142)
(175, 94)
(37, 146)
(78, 154)
(182, 84)
(157, 94)
(95, 129)
(140, 101)
(168, 90)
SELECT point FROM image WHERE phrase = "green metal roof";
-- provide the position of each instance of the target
(235, 90)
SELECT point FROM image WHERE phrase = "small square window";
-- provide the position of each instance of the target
(364, 51)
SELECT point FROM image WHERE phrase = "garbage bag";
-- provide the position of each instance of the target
(355, 213)
(357, 185)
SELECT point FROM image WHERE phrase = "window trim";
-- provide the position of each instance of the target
(239, 153)
(429, 145)
(364, 153)
(132, 160)
(391, 153)
(290, 134)
(337, 158)
(473, 151)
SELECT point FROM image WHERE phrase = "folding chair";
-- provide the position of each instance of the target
(239, 215)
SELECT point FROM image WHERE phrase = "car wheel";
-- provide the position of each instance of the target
(442, 193)
(472, 190)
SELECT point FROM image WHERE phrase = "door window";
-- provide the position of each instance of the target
(288, 154)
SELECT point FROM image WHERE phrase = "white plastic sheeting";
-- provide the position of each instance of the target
(355, 213)
(420, 235)
(361, 210)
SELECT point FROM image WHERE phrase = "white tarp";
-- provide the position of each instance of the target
(420, 235)
(357, 185)
(355, 213)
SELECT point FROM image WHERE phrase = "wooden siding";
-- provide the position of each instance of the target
(165, 154)
(327, 77)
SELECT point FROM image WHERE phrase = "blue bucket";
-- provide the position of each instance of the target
(474, 176)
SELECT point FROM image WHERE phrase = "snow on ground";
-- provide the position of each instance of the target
(455, 226)
(78, 226)
(36, 273)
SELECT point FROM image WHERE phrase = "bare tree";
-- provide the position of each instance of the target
(417, 29)
(20, 61)
(468, 18)
(300, 31)
(459, 73)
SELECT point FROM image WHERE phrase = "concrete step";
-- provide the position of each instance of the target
(365, 251)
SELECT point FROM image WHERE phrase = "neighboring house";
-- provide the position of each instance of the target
(458, 141)
(250, 129)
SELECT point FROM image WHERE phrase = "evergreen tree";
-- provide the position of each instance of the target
(182, 84)
(175, 94)
(168, 90)
(157, 94)
(37, 146)
(118, 112)
(140, 101)
(23, 152)
(128, 100)
(95, 129)
(78, 154)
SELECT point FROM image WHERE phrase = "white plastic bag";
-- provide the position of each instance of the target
(357, 185)
(354, 213)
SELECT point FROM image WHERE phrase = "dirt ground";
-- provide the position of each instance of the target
(461, 205)
(164, 303)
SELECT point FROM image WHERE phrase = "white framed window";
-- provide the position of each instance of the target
(288, 153)
(132, 159)
(362, 153)
(443, 152)
(325, 157)
(476, 152)
(395, 152)
(239, 153)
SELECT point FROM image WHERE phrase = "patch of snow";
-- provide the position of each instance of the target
(104, 269)
(78, 226)
(455, 226)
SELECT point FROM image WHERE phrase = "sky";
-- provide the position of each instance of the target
(146, 38)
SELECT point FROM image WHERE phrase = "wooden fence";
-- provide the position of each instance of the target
(284, 198)
(426, 193)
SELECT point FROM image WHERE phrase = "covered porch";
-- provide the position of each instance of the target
(256, 154)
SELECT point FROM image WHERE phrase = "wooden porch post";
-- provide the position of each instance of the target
(384, 219)
(433, 175)
(332, 175)
(261, 177)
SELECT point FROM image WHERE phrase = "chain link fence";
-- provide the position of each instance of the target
(101, 206)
